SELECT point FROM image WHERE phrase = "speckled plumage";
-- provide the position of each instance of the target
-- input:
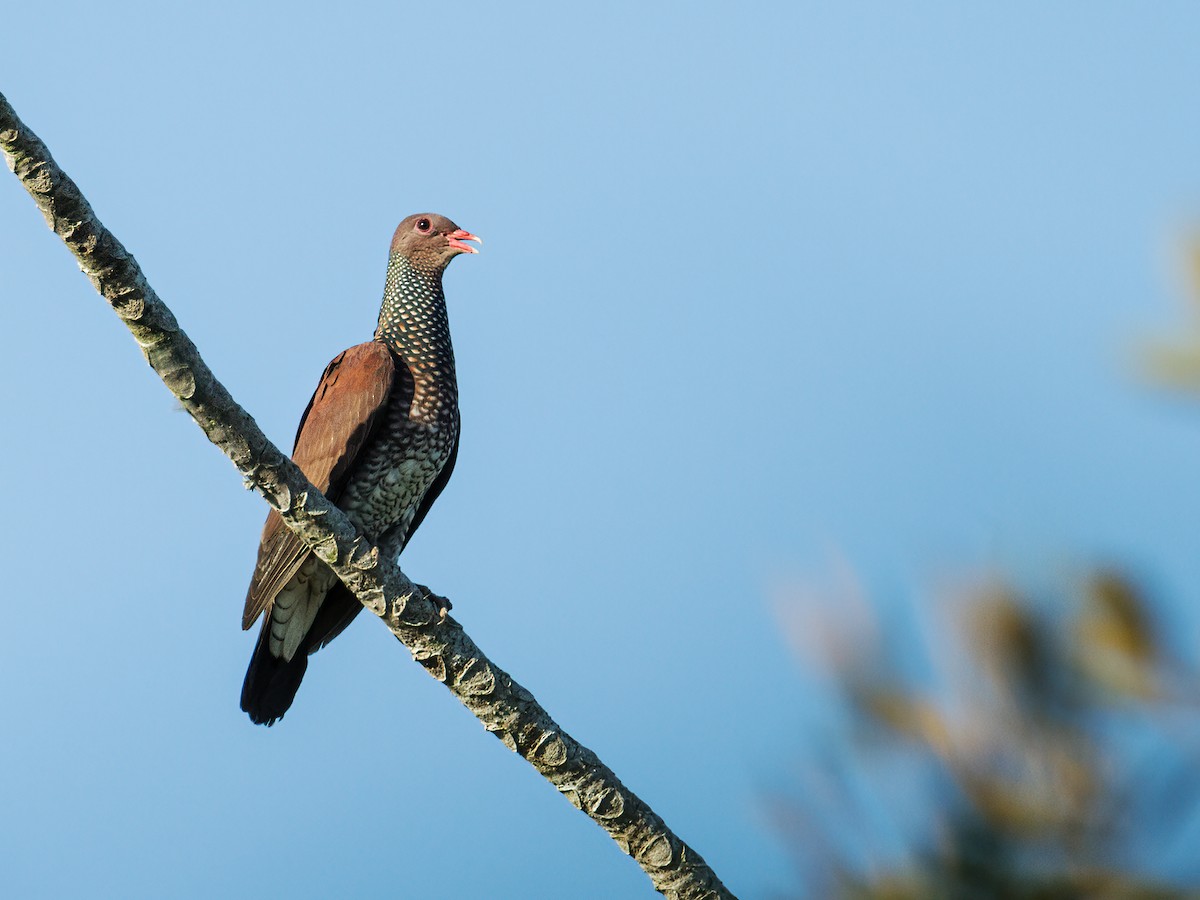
(382, 431)
(421, 429)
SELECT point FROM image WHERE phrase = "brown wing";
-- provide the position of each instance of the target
(339, 420)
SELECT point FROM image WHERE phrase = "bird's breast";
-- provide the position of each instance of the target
(398, 467)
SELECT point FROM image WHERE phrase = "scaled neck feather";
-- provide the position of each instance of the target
(413, 324)
(412, 319)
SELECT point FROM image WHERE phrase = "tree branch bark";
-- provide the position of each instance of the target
(442, 647)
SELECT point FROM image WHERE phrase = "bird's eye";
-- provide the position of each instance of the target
(423, 225)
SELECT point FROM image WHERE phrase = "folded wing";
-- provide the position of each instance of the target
(343, 414)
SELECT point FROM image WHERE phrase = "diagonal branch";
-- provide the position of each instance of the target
(504, 707)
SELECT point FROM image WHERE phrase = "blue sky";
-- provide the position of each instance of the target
(763, 288)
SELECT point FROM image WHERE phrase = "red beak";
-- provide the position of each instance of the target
(456, 239)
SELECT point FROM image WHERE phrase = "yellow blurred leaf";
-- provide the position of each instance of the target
(1117, 644)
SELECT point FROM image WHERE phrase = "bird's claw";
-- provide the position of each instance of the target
(442, 604)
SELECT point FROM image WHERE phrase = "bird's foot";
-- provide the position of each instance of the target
(442, 604)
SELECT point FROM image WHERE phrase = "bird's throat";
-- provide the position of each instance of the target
(412, 319)
(413, 324)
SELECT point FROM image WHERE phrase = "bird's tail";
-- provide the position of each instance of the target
(271, 681)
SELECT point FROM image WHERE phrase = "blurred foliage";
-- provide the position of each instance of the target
(1177, 364)
(1045, 747)
(1047, 750)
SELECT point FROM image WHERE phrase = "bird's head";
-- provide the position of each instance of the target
(430, 241)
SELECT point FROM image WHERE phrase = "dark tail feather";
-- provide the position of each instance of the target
(271, 683)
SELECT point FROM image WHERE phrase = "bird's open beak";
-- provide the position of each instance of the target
(456, 239)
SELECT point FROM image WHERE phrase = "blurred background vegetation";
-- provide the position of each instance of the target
(1039, 741)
